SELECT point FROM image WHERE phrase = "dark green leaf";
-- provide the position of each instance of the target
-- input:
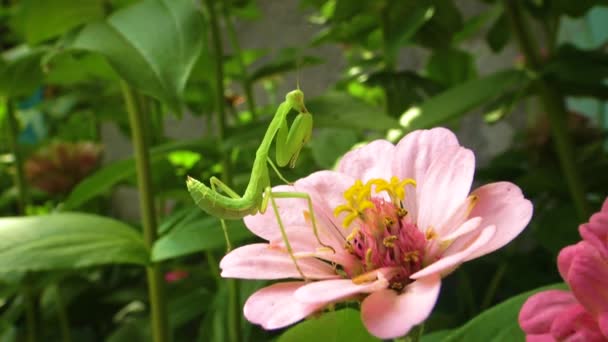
(473, 25)
(20, 71)
(342, 325)
(339, 110)
(154, 55)
(451, 67)
(116, 172)
(289, 62)
(197, 234)
(439, 30)
(404, 20)
(188, 306)
(66, 241)
(44, 19)
(499, 34)
(329, 144)
(498, 323)
(460, 99)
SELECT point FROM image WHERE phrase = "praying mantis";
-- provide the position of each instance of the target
(288, 143)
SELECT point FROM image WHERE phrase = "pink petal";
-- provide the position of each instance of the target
(567, 255)
(502, 205)
(540, 310)
(327, 291)
(453, 257)
(602, 321)
(274, 307)
(596, 231)
(414, 155)
(540, 338)
(261, 261)
(588, 279)
(465, 228)
(575, 324)
(445, 187)
(387, 314)
(373, 160)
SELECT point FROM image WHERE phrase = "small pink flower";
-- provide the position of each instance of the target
(580, 315)
(392, 221)
(176, 275)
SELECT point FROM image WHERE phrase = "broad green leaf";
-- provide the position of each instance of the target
(441, 27)
(331, 143)
(450, 66)
(339, 110)
(473, 25)
(118, 171)
(153, 45)
(342, 325)
(20, 71)
(460, 99)
(197, 234)
(188, 306)
(44, 19)
(498, 323)
(67, 241)
(404, 19)
(499, 34)
(436, 336)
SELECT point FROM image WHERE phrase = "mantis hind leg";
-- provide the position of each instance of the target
(271, 196)
(216, 182)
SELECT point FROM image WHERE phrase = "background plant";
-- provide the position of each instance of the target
(72, 269)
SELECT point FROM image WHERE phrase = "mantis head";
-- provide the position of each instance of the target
(296, 100)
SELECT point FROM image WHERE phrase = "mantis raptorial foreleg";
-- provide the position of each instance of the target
(216, 182)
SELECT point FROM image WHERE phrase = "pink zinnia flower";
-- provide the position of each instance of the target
(392, 221)
(580, 315)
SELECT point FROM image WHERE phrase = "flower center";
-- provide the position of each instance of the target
(382, 235)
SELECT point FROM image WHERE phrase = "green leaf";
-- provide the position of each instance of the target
(290, 61)
(450, 66)
(331, 143)
(498, 323)
(67, 241)
(20, 71)
(197, 234)
(118, 171)
(499, 34)
(44, 19)
(342, 325)
(460, 99)
(404, 20)
(155, 54)
(438, 31)
(339, 110)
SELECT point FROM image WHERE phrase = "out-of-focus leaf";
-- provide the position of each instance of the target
(499, 34)
(44, 19)
(404, 89)
(20, 71)
(132, 330)
(557, 227)
(460, 99)
(66, 241)
(404, 20)
(436, 336)
(66, 69)
(118, 171)
(155, 55)
(451, 67)
(331, 143)
(498, 323)
(187, 307)
(197, 234)
(473, 25)
(575, 8)
(342, 325)
(585, 67)
(439, 30)
(290, 61)
(339, 110)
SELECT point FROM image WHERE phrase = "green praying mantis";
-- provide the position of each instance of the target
(289, 143)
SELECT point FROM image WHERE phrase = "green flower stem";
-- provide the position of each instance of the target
(62, 314)
(159, 319)
(234, 40)
(554, 105)
(234, 310)
(13, 134)
(220, 112)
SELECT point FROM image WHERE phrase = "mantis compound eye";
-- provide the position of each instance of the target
(296, 99)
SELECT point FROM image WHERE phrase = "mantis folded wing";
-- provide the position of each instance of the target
(289, 143)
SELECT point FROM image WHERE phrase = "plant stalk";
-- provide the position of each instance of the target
(234, 41)
(31, 314)
(234, 315)
(554, 105)
(159, 317)
(62, 314)
(13, 137)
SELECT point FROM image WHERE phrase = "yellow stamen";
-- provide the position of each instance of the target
(430, 234)
(412, 256)
(368, 257)
(389, 241)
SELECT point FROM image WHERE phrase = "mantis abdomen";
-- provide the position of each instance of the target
(219, 205)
